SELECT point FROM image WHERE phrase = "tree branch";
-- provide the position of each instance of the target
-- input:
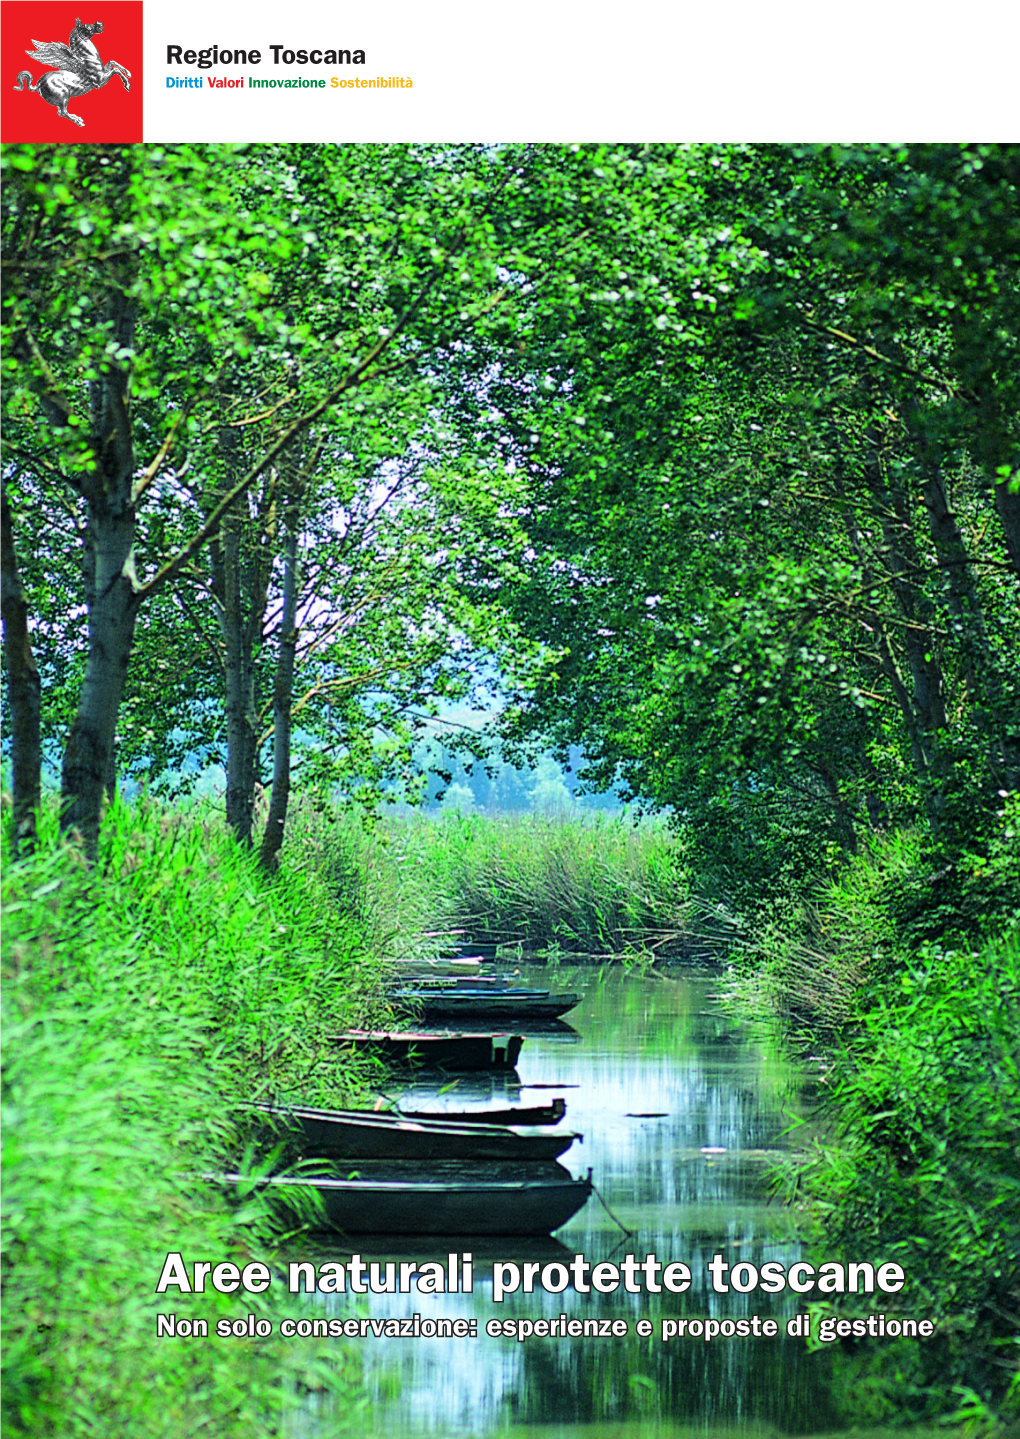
(172, 568)
(938, 381)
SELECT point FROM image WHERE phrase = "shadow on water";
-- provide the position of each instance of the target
(682, 1115)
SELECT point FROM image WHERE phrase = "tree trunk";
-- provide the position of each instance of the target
(926, 722)
(86, 773)
(903, 563)
(242, 564)
(886, 661)
(997, 452)
(961, 592)
(25, 694)
(283, 694)
(88, 756)
(1007, 505)
(239, 701)
(991, 709)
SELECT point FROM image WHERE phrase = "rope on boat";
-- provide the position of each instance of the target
(598, 1194)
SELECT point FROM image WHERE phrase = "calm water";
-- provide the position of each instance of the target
(682, 1115)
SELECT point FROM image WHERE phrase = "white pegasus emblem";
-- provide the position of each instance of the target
(78, 66)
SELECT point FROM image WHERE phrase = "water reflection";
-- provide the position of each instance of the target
(680, 1114)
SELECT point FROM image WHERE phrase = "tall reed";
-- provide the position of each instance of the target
(595, 886)
(144, 1000)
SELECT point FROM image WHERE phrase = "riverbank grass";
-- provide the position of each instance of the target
(145, 1000)
(912, 1011)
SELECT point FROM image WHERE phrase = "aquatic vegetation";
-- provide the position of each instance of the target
(604, 885)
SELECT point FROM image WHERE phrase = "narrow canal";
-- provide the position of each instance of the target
(683, 1114)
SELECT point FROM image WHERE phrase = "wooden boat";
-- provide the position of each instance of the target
(357, 1134)
(424, 969)
(470, 1200)
(444, 1051)
(529, 1114)
(471, 981)
(477, 1001)
(485, 1249)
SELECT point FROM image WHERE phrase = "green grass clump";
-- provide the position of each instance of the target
(913, 1002)
(606, 886)
(144, 1000)
(811, 957)
(925, 1107)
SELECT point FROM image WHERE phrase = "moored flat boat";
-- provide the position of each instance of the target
(445, 1051)
(472, 981)
(426, 969)
(530, 1114)
(358, 1134)
(462, 1002)
(485, 1249)
(470, 1202)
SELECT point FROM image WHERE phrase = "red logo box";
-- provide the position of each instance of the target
(108, 114)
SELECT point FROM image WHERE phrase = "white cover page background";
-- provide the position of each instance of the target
(551, 71)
